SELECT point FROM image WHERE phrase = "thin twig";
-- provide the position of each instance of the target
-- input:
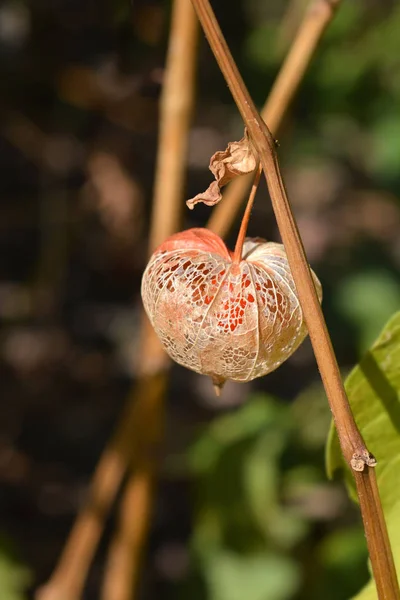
(70, 574)
(176, 110)
(316, 19)
(127, 547)
(122, 571)
(290, 23)
(237, 254)
(145, 404)
(351, 442)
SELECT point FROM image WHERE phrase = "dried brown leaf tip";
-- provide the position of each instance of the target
(211, 196)
(239, 158)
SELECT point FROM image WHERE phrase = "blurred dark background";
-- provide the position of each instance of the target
(80, 86)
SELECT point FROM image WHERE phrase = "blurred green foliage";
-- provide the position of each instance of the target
(359, 297)
(373, 388)
(14, 577)
(262, 523)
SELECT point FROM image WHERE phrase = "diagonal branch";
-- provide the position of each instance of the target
(316, 19)
(127, 546)
(351, 442)
(68, 578)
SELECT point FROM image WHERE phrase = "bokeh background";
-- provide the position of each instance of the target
(243, 508)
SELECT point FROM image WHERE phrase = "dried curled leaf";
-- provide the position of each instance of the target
(211, 196)
(239, 158)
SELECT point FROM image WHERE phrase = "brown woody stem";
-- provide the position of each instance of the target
(351, 441)
(237, 254)
(316, 19)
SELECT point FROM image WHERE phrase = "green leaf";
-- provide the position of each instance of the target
(345, 21)
(343, 548)
(261, 482)
(385, 158)
(312, 416)
(260, 49)
(14, 577)
(373, 388)
(343, 556)
(261, 576)
(236, 464)
(247, 422)
(358, 299)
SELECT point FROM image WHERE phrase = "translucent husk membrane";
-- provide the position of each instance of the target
(223, 318)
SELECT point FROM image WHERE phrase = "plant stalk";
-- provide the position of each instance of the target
(316, 19)
(176, 107)
(351, 441)
(237, 254)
